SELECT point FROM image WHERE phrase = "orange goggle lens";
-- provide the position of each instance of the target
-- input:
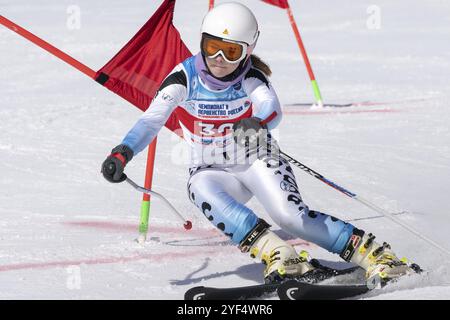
(232, 52)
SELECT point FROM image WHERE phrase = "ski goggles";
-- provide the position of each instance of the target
(231, 51)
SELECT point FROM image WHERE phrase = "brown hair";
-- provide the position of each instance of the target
(261, 65)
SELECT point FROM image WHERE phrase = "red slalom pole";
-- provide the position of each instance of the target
(211, 4)
(48, 47)
(315, 86)
(145, 207)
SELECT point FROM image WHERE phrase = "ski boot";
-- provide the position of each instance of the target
(281, 260)
(379, 261)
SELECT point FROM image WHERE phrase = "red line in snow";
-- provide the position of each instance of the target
(158, 257)
(130, 227)
(155, 257)
(116, 226)
(318, 112)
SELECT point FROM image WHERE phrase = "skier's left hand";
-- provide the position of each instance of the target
(250, 132)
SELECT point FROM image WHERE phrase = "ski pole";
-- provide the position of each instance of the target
(186, 223)
(363, 201)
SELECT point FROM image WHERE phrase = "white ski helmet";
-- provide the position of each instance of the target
(231, 21)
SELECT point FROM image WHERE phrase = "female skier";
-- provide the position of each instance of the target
(226, 107)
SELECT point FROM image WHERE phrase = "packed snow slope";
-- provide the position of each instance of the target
(66, 233)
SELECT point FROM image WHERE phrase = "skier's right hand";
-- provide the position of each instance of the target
(113, 166)
(249, 132)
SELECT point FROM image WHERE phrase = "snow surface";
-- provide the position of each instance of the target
(66, 233)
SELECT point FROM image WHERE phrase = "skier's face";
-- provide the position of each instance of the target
(219, 67)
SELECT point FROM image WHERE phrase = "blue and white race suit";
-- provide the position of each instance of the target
(222, 177)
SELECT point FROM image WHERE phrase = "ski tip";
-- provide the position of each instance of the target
(196, 293)
(288, 290)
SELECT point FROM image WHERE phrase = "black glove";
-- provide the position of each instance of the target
(113, 166)
(249, 132)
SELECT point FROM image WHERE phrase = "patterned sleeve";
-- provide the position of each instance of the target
(266, 105)
(171, 93)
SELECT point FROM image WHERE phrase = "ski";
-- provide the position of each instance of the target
(257, 291)
(296, 290)
(300, 290)
(233, 293)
